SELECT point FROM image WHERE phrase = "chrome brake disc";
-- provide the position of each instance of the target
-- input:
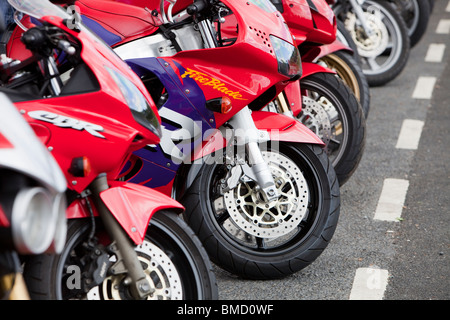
(250, 213)
(368, 46)
(315, 117)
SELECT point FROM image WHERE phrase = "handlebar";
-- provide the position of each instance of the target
(35, 39)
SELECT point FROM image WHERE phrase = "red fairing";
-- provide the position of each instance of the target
(140, 202)
(107, 130)
(317, 24)
(254, 68)
(127, 21)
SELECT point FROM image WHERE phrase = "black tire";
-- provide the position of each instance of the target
(416, 14)
(350, 72)
(167, 234)
(384, 58)
(331, 110)
(245, 252)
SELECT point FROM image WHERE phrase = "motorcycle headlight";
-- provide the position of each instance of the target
(137, 103)
(288, 57)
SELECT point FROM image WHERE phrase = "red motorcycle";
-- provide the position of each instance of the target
(258, 189)
(324, 105)
(330, 108)
(124, 241)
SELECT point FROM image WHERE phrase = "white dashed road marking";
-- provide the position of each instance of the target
(409, 136)
(424, 87)
(392, 198)
(369, 284)
(443, 26)
(435, 52)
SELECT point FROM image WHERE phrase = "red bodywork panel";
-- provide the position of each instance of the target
(138, 202)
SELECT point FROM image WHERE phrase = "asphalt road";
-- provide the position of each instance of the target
(414, 250)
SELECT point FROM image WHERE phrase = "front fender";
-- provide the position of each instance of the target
(333, 47)
(313, 53)
(131, 204)
(280, 128)
(284, 128)
(310, 68)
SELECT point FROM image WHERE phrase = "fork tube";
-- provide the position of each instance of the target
(140, 288)
(362, 18)
(247, 134)
(207, 33)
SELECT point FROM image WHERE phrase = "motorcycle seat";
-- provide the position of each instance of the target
(123, 20)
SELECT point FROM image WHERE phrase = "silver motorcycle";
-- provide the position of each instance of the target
(32, 200)
(380, 34)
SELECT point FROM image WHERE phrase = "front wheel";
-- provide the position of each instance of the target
(257, 239)
(384, 49)
(350, 72)
(416, 14)
(176, 265)
(332, 112)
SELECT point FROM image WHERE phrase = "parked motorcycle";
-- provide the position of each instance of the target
(416, 14)
(124, 241)
(329, 107)
(257, 186)
(325, 106)
(32, 200)
(380, 35)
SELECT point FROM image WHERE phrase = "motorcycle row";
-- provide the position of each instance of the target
(143, 140)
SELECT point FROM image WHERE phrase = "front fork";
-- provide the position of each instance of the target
(128, 261)
(356, 5)
(246, 134)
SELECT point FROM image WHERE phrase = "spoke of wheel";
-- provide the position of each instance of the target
(333, 143)
(373, 64)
